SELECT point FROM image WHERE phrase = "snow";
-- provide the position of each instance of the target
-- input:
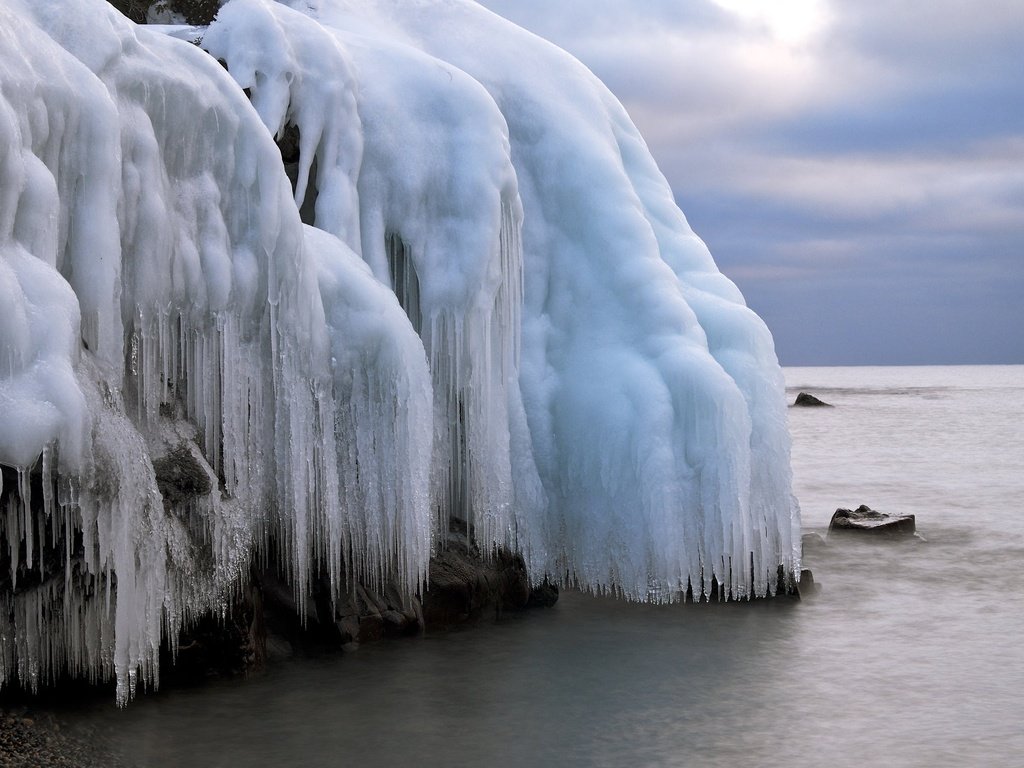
(494, 311)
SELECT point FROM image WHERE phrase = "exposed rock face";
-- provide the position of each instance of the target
(219, 646)
(804, 400)
(359, 615)
(866, 520)
(807, 585)
(463, 585)
(180, 477)
(543, 595)
(192, 11)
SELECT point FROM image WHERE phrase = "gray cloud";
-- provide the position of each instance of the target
(603, 18)
(864, 186)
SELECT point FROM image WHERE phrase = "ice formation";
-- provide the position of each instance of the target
(493, 311)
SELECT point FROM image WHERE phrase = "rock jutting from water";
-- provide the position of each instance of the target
(865, 520)
(805, 400)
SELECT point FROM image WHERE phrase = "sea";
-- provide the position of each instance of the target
(910, 652)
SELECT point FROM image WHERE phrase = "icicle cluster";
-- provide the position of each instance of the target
(640, 444)
(494, 311)
(418, 151)
(145, 210)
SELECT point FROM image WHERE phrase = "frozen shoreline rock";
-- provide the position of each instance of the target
(475, 298)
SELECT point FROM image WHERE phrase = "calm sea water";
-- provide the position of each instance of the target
(911, 654)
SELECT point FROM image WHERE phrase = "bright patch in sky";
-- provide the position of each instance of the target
(791, 21)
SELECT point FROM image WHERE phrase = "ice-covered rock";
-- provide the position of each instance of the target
(494, 312)
(155, 267)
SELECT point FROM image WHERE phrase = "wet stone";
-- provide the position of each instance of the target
(869, 521)
(805, 400)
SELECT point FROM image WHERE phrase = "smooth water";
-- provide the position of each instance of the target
(909, 655)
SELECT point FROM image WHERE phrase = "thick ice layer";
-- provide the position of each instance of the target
(382, 421)
(418, 150)
(571, 374)
(297, 73)
(653, 395)
(155, 270)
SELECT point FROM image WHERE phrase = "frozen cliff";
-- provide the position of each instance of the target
(457, 286)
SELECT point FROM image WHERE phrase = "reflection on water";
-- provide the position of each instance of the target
(909, 655)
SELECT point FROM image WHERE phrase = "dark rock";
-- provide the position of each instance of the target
(415, 614)
(369, 602)
(219, 646)
(310, 629)
(787, 583)
(807, 584)
(394, 600)
(345, 606)
(804, 400)
(288, 143)
(180, 477)
(133, 9)
(194, 11)
(277, 649)
(279, 598)
(371, 628)
(398, 624)
(866, 520)
(348, 628)
(792, 588)
(464, 585)
(544, 595)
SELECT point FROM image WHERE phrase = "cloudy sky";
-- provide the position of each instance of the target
(857, 168)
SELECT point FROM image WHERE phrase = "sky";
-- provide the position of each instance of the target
(857, 168)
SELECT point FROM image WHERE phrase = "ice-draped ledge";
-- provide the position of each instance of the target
(575, 379)
(413, 171)
(144, 210)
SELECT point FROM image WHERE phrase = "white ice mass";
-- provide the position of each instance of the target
(478, 300)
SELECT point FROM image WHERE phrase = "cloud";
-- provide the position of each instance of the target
(980, 183)
(874, 160)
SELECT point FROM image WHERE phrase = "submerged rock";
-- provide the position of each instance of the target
(866, 520)
(812, 542)
(804, 400)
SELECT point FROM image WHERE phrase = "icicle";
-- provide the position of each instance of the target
(26, 522)
(404, 280)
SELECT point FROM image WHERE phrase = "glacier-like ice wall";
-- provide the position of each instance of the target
(494, 311)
